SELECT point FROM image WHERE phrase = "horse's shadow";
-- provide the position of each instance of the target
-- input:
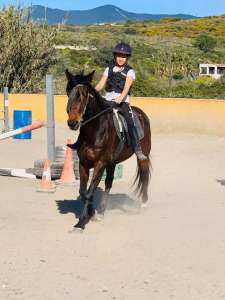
(121, 202)
(222, 181)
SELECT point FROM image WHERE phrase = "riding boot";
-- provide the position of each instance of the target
(135, 143)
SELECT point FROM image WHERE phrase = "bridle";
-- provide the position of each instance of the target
(83, 123)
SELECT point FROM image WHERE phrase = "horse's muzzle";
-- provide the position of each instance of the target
(73, 125)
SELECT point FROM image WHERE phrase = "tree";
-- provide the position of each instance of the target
(205, 43)
(27, 51)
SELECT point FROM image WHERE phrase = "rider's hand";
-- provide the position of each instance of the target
(119, 99)
(112, 104)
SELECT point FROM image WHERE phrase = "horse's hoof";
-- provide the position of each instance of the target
(79, 226)
(144, 205)
(97, 218)
(76, 230)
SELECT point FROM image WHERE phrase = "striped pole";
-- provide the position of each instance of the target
(12, 133)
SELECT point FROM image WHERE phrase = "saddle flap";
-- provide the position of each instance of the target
(122, 127)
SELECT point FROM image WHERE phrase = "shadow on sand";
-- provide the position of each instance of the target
(222, 181)
(121, 202)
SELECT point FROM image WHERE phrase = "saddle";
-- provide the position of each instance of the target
(122, 127)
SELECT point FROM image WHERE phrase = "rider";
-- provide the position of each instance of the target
(117, 79)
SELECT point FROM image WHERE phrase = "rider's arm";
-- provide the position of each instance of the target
(101, 83)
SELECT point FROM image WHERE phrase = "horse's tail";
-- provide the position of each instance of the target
(142, 178)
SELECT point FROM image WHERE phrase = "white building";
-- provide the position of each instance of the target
(213, 70)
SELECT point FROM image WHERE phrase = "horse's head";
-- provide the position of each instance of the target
(78, 94)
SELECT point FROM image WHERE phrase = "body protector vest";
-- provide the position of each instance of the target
(116, 80)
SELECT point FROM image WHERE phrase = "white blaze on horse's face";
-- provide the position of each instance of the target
(76, 107)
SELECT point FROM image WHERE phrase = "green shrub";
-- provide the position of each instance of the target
(27, 51)
(205, 80)
(205, 43)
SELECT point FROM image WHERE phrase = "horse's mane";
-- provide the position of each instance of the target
(101, 101)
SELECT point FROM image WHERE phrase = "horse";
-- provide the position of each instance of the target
(98, 141)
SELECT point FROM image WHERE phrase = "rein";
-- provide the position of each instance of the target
(96, 116)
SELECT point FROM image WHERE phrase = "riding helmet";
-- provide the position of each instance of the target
(122, 48)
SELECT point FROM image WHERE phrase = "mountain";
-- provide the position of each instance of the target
(102, 14)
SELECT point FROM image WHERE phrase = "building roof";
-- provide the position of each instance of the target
(215, 65)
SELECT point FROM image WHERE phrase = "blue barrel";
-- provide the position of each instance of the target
(22, 118)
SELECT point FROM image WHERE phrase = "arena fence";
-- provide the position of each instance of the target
(167, 115)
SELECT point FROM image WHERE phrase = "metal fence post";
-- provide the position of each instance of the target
(50, 117)
(6, 109)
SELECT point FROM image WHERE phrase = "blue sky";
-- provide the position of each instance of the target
(194, 7)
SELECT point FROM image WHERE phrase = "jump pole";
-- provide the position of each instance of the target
(12, 133)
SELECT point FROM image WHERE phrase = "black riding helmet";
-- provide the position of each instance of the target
(122, 48)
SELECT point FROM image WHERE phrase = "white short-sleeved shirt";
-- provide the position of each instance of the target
(110, 96)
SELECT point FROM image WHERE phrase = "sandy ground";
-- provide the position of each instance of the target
(175, 249)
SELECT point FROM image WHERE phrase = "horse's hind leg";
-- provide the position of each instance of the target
(108, 185)
(109, 177)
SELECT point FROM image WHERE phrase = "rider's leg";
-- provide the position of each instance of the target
(135, 143)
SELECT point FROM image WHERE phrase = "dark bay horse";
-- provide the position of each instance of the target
(98, 142)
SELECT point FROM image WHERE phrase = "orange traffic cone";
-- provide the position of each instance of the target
(67, 175)
(47, 186)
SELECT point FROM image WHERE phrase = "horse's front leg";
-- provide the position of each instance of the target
(97, 176)
(84, 176)
(89, 210)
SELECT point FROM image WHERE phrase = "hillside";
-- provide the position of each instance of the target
(164, 55)
(102, 14)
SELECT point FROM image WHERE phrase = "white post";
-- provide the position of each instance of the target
(6, 110)
(50, 118)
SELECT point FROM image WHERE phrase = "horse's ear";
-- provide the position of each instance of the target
(90, 76)
(68, 75)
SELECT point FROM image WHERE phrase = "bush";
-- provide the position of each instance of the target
(205, 80)
(205, 43)
(103, 56)
(178, 76)
(130, 31)
(27, 51)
